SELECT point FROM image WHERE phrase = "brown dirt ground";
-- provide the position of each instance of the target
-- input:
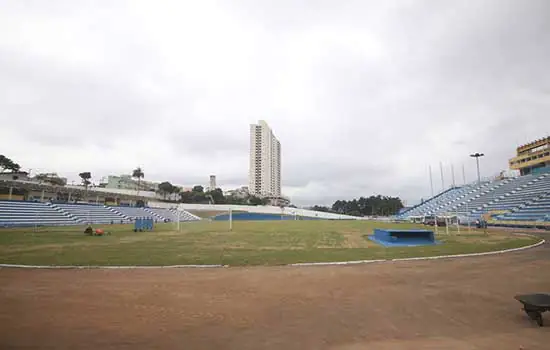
(446, 304)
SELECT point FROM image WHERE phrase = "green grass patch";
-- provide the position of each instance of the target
(250, 243)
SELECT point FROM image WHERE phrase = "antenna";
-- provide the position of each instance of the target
(442, 180)
(431, 180)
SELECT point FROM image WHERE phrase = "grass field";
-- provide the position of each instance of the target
(250, 243)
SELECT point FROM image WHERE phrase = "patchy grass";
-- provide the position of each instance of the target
(250, 243)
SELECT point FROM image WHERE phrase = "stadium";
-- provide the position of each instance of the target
(306, 294)
(257, 175)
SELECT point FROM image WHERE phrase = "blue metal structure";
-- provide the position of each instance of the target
(403, 238)
(143, 224)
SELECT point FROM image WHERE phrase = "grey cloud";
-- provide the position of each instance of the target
(363, 95)
(65, 107)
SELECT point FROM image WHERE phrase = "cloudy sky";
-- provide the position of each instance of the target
(363, 95)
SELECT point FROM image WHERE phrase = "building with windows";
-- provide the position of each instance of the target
(265, 161)
(127, 182)
(533, 157)
(212, 185)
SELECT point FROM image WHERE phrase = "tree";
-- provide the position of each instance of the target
(86, 176)
(253, 200)
(52, 178)
(373, 205)
(186, 197)
(176, 190)
(217, 196)
(321, 208)
(7, 164)
(138, 174)
(198, 189)
(165, 188)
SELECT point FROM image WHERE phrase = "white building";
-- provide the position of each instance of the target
(213, 184)
(126, 182)
(265, 161)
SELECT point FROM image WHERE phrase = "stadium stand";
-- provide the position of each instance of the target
(92, 214)
(134, 212)
(529, 189)
(433, 202)
(525, 198)
(444, 201)
(172, 214)
(22, 213)
(498, 189)
(473, 191)
(538, 210)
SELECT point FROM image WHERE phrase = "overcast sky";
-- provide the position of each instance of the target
(363, 95)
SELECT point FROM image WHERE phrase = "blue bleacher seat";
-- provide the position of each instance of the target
(93, 214)
(526, 197)
(134, 212)
(23, 213)
(172, 214)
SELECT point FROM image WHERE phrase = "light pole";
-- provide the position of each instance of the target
(477, 156)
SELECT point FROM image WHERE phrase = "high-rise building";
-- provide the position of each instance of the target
(213, 185)
(265, 161)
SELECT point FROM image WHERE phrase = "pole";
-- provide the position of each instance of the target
(478, 176)
(477, 156)
(457, 222)
(442, 180)
(11, 192)
(463, 175)
(453, 174)
(468, 217)
(431, 180)
(447, 225)
(230, 219)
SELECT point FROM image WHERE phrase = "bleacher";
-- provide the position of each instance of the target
(433, 202)
(444, 201)
(468, 191)
(535, 210)
(21, 214)
(531, 187)
(135, 212)
(172, 214)
(527, 198)
(92, 214)
(538, 210)
(499, 189)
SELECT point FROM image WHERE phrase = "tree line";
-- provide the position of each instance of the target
(168, 191)
(364, 206)
(200, 196)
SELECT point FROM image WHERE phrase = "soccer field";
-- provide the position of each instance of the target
(249, 243)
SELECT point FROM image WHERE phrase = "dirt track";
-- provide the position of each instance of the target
(445, 304)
